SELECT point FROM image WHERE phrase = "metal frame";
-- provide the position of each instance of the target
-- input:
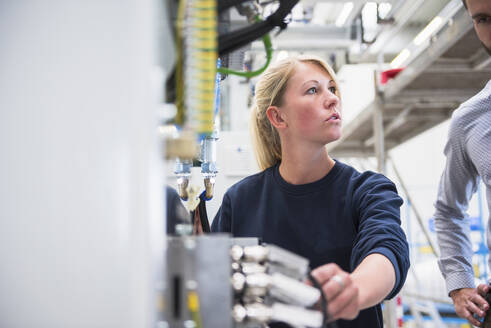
(450, 68)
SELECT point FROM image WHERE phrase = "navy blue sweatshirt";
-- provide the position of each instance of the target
(341, 218)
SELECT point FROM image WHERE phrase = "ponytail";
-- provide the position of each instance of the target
(265, 139)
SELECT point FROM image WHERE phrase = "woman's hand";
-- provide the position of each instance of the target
(367, 286)
(341, 293)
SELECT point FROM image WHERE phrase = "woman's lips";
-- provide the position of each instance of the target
(334, 117)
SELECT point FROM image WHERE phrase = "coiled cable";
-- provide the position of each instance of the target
(325, 315)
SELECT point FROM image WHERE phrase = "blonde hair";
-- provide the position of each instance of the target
(269, 91)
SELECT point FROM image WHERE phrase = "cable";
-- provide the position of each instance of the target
(196, 49)
(226, 4)
(193, 307)
(239, 38)
(269, 55)
(203, 215)
(236, 39)
(325, 315)
(196, 36)
(181, 11)
(201, 61)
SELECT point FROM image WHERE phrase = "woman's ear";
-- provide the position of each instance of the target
(275, 117)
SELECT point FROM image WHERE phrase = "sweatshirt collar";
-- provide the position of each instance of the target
(308, 187)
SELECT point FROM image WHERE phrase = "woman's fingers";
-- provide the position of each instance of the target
(345, 306)
(340, 291)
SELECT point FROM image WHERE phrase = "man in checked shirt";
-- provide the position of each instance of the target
(468, 153)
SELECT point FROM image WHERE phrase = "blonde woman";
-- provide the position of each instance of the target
(345, 222)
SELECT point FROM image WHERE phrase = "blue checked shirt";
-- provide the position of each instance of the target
(468, 152)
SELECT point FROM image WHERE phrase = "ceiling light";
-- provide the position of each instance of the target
(297, 12)
(384, 9)
(400, 59)
(369, 15)
(347, 8)
(428, 30)
(322, 12)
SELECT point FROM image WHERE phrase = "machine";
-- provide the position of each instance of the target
(82, 223)
(218, 281)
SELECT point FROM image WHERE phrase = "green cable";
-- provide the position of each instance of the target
(269, 54)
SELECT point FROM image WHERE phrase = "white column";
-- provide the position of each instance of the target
(81, 191)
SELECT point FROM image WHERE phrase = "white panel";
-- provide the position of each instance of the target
(357, 88)
(80, 175)
(239, 111)
(235, 161)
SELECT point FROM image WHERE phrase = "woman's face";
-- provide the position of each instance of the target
(310, 106)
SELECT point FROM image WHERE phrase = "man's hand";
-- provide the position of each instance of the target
(470, 301)
(341, 293)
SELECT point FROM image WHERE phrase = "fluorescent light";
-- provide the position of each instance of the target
(297, 12)
(321, 12)
(348, 7)
(369, 15)
(384, 9)
(428, 30)
(400, 59)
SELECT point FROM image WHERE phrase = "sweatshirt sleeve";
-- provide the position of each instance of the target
(223, 219)
(379, 227)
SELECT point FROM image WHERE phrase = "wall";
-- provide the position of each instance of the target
(81, 192)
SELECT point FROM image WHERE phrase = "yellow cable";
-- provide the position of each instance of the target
(193, 306)
(180, 115)
(196, 35)
(204, 50)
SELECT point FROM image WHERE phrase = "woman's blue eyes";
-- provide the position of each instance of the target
(313, 90)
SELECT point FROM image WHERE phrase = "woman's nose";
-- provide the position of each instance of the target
(330, 100)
